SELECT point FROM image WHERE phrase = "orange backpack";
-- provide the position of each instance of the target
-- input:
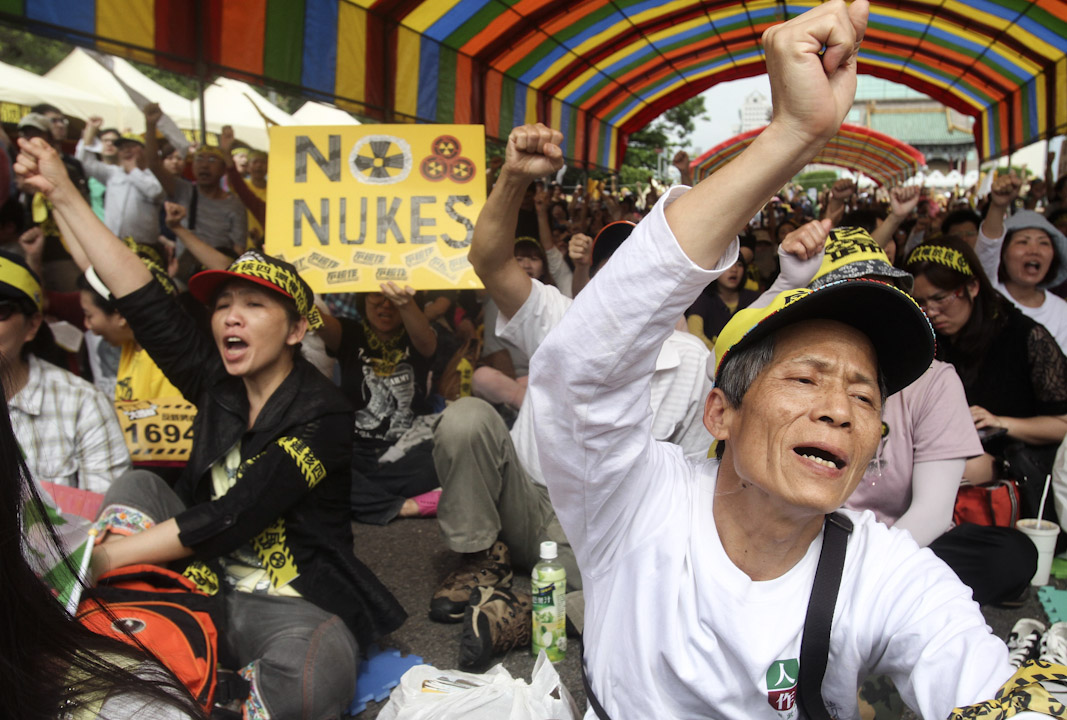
(164, 612)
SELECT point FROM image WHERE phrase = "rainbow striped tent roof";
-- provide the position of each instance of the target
(597, 69)
(885, 160)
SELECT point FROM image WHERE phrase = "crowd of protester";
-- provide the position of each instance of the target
(157, 253)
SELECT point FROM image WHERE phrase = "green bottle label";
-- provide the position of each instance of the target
(549, 588)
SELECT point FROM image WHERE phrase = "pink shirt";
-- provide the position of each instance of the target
(928, 420)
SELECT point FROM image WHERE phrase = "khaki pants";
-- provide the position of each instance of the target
(487, 495)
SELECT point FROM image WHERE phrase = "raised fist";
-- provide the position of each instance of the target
(533, 151)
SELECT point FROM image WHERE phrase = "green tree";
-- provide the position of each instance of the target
(665, 135)
(816, 178)
(31, 52)
(183, 85)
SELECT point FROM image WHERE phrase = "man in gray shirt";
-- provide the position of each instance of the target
(215, 215)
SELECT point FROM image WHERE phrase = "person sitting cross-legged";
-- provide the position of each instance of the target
(494, 507)
(260, 514)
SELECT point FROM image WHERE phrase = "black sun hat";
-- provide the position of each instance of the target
(898, 329)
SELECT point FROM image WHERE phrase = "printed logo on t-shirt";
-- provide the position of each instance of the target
(782, 677)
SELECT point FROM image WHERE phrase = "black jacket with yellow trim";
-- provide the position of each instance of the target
(291, 496)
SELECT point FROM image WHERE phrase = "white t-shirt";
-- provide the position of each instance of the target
(1052, 313)
(674, 629)
(679, 387)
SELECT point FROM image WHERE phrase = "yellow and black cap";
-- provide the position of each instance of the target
(264, 270)
(850, 253)
(902, 337)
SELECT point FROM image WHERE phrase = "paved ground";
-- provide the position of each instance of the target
(410, 558)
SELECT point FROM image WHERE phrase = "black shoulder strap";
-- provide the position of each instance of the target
(589, 695)
(815, 643)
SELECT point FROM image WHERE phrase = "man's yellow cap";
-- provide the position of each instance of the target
(902, 336)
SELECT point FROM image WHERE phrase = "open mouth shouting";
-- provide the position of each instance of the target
(1034, 267)
(233, 346)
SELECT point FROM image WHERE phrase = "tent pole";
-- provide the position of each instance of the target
(201, 67)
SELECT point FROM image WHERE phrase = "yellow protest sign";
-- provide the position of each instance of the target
(355, 206)
(157, 431)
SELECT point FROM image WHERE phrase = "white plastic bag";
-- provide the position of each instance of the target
(426, 693)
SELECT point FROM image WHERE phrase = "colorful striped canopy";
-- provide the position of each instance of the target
(883, 159)
(598, 69)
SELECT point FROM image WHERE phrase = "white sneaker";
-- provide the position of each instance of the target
(1027, 639)
(1054, 644)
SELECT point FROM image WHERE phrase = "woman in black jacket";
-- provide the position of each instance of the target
(261, 511)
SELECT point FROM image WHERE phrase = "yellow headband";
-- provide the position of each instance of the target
(18, 277)
(950, 258)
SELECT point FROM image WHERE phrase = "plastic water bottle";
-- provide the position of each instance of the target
(548, 584)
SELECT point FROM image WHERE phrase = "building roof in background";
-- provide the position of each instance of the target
(922, 128)
(869, 87)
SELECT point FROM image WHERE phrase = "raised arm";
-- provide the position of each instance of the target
(533, 151)
(152, 116)
(685, 170)
(1004, 192)
(902, 200)
(415, 323)
(93, 167)
(580, 249)
(991, 233)
(799, 255)
(590, 379)
(74, 246)
(812, 65)
(251, 201)
(839, 194)
(42, 169)
(206, 255)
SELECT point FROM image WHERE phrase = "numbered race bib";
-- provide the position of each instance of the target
(157, 431)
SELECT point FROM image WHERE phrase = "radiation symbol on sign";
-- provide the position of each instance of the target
(276, 560)
(446, 147)
(433, 168)
(445, 162)
(461, 170)
(380, 160)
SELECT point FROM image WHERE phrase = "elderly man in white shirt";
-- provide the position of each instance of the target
(697, 574)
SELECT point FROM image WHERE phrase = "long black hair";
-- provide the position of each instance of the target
(50, 664)
(989, 309)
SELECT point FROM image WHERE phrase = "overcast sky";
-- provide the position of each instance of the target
(723, 103)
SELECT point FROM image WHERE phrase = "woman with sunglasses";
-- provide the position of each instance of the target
(260, 514)
(1013, 372)
(66, 428)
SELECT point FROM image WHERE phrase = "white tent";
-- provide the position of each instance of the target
(232, 102)
(25, 88)
(227, 102)
(82, 69)
(316, 113)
